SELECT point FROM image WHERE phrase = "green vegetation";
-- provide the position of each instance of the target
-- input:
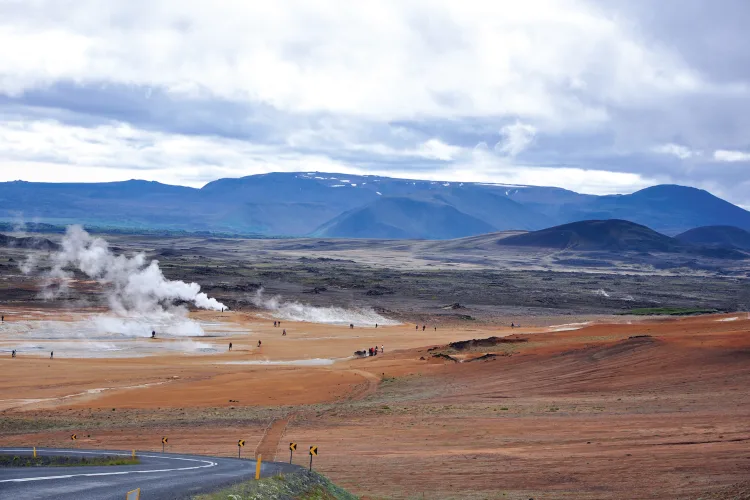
(669, 311)
(64, 461)
(302, 485)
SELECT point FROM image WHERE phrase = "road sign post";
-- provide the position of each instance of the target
(257, 467)
(292, 449)
(240, 445)
(313, 453)
(164, 441)
(34, 451)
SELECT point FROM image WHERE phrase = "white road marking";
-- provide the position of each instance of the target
(119, 473)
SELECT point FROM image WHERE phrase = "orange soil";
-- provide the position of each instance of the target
(588, 413)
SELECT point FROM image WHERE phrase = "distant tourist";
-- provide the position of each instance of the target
(230, 346)
(416, 327)
(13, 354)
(153, 334)
(51, 354)
(2, 319)
(351, 325)
(512, 325)
(423, 327)
(274, 323)
(382, 349)
(259, 343)
(376, 325)
(283, 333)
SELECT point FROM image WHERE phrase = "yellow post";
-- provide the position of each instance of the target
(133, 453)
(34, 451)
(257, 468)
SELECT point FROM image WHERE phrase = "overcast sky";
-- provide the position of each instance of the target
(599, 97)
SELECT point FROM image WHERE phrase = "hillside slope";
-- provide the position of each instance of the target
(723, 236)
(611, 235)
(667, 208)
(404, 218)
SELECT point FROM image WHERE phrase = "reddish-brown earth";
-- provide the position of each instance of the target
(588, 413)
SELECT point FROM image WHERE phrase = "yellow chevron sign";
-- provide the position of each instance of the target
(314, 450)
(73, 437)
(241, 443)
(164, 440)
(293, 446)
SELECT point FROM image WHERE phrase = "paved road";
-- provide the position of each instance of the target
(159, 476)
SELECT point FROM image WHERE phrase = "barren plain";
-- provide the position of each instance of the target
(580, 399)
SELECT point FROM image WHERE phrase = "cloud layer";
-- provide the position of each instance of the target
(599, 96)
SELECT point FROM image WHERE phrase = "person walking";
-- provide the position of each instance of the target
(51, 354)
(283, 333)
(382, 349)
(230, 346)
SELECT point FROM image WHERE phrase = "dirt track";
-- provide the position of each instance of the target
(588, 413)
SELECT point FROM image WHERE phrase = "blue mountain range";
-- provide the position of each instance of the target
(339, 205)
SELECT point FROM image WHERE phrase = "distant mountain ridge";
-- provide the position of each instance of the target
(611, 236)
(339, 205)
(725, 236)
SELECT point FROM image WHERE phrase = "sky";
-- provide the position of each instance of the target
(598, 97)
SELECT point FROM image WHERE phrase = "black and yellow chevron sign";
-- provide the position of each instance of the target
(314, 450)
(293, 446)
(241, 443)
(73, 437)
(164, 440)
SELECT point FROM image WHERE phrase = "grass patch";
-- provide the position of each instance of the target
(669, 311)
(302, 485)
(63, 461)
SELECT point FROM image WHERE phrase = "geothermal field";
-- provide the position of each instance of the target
(501, 375)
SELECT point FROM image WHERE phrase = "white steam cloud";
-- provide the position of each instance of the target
(138, 294)
(136, 285)
(295, 311)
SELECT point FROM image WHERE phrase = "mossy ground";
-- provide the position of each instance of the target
(301, 485)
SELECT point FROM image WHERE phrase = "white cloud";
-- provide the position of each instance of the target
(436, 149)
(731, 156)
(385, 60)
(516, 138)
(48, 151)
(681, 152)
(484, 166)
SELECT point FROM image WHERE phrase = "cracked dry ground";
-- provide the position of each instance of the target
(584, 414)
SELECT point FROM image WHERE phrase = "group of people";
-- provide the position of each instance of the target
(373, 351)
(424, 327)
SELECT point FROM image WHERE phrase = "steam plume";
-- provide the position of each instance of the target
(137, 286)
(295, 311)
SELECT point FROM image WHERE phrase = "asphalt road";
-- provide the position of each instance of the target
(159, 476)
